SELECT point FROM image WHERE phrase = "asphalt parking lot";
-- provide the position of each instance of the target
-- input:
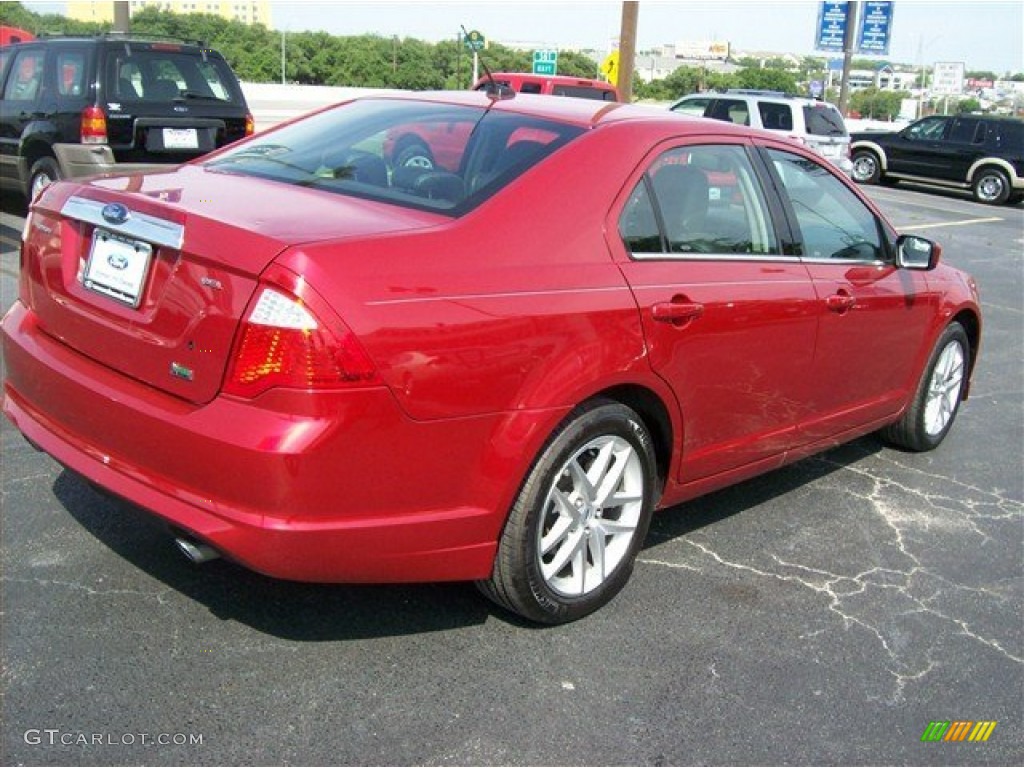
(823, 614)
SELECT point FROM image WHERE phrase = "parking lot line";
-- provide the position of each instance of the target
(962, 223)
(900, 200)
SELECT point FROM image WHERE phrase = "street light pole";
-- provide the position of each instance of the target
(627, 48)
(848, 44)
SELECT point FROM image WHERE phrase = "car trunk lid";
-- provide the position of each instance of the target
(150, 275)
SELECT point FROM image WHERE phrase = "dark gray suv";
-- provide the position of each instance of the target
(970, 152)
(75, 106)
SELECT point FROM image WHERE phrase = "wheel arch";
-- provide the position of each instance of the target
(995, 162)
(883, 161)
(971, 324)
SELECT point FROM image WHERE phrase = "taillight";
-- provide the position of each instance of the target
(282, 343)
(94, 126)
(250, 124)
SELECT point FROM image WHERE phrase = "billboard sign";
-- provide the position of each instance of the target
(875, 30)
(833, 19)
(948, 78)
(702, 49)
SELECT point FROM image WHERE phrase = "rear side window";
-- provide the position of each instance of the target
(1007, 136)
(26, 76)
(159, 76)
(71, 73)
(967, 130)
(777, 117)
(695, 107)
(699, 200)
(824, 120)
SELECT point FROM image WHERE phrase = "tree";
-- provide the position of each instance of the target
(766, 80)
(877, 105)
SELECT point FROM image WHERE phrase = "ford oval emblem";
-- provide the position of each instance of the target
(118, 261)
(115, 213)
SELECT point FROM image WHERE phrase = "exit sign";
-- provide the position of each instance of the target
(545, 62)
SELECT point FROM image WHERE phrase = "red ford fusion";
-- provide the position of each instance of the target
(330, 367)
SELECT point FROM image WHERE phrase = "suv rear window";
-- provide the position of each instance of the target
(151, 75)
(824, 120)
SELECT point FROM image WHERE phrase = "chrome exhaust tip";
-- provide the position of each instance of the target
(195, 551)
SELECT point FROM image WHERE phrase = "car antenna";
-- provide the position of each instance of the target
(493, 89)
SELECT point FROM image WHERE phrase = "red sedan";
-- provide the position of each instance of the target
(330, 368)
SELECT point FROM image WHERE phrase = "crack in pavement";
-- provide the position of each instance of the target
(903, 602)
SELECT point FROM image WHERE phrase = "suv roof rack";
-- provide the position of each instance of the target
(130, 37)
(757, 92)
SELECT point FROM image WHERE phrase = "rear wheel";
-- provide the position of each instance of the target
(42, 174)
(991, 186)
(414, 154)
(937, 400)
(866, 167)
(580, 518)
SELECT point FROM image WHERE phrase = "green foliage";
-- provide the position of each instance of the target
(766, 80)
(874, 104)
(316, 58)
(966, 106)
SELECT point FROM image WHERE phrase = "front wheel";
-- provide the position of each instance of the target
(937, 400)
(580, 518)
(991, 186)
(866, 167)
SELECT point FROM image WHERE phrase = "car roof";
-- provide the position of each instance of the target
(586, 113)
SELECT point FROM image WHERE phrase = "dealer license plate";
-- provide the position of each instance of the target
(181, 138)
(117, 267)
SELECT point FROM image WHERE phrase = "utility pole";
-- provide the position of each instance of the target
(122, 16)
(849, 40)
(627, 48)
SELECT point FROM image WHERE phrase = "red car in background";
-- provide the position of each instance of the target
(329, 367)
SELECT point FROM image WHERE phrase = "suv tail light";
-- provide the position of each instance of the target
(250, 124)
(94, 126)
(282, 343)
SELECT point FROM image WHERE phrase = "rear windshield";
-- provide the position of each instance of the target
(415, 154)
(583, 92)
(824, 120)
(136, 74)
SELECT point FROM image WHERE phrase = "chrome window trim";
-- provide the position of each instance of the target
(715, 257)
(139, 225)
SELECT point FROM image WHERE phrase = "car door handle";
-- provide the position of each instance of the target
(840, 302)
(678, 312)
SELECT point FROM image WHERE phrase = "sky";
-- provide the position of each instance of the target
(983, 34)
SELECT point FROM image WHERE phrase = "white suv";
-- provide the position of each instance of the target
(817, 124)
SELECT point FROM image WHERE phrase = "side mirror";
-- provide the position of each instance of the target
(913, 252)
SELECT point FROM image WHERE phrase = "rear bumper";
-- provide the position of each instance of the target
(294, 486)
(79, 160)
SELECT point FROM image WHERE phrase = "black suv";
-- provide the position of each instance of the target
(75, 106)
(982, 154)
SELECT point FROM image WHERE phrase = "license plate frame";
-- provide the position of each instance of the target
(181, 138)
(117, 267)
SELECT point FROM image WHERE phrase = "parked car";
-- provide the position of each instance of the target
(550, 85)
(817, 124)
(74, 106)
(971, 152)
(328, 368)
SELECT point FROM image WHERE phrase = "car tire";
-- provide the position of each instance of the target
(565, 551)
(43, 172)
(938, 395)
(414, 154)
(991, 186)
(867, 168)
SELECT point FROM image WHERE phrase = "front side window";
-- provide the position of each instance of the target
(834, 223)
(695, 107)
(929, 129)
(699, 200)
(436, 157)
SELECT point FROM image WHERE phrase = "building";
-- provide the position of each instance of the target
(245, 11)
